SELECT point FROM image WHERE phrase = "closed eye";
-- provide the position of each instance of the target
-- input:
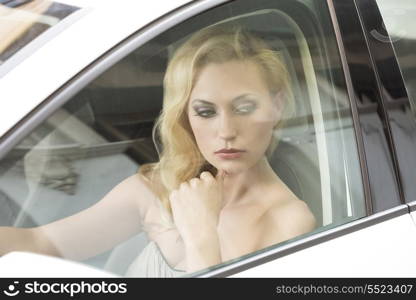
(245, 108)
(204, 112)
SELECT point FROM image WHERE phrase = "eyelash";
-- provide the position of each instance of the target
(200, 113)
(246, 109)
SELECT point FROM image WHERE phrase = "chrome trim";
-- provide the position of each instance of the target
(96, 68)
(412, 206)
(42, 39)
(354, 110)
(304, 243)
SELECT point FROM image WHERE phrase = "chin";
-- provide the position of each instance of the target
(231, 169)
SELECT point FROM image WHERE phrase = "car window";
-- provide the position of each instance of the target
(25, 25)
(398, 20)
(104, 134)
(397, 31)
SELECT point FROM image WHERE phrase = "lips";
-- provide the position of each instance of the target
(229, 153)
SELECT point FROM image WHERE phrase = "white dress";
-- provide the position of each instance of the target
(151, 263)
(157, 223)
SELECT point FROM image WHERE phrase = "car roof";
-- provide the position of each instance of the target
(99, 26)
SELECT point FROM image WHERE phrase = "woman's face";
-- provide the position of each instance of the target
(232, 114)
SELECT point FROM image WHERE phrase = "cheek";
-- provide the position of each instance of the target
(262, 122)
(200, 130)
(259, 132)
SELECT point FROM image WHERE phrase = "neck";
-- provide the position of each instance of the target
(238, 185)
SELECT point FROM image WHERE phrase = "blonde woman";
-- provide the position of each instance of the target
(213, 196)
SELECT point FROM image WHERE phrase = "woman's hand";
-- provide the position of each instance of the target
(196, 207)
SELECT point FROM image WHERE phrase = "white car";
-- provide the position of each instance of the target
(81, 86)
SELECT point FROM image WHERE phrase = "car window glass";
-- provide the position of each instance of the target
(398, 20)
(22, 22)
(398, 17)
(105, 133)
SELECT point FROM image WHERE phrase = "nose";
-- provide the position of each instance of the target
(227, 128)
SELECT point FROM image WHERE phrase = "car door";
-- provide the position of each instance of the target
(334, 152)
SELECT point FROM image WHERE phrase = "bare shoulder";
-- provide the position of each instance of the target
(133, 193)
(294, 212)
(286, 219)
(138, 188)
(136, 181)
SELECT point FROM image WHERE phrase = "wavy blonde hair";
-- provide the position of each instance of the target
(180, 158)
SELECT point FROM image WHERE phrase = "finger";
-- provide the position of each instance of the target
(173, 197)
(206, 176)
(193, 182)
(183, 186)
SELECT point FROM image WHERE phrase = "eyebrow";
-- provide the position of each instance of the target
(202, 102)
(236, 99)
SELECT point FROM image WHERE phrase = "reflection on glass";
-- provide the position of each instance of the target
(22, 24)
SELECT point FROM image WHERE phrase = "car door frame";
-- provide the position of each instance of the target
(386, 63)
(75, 84)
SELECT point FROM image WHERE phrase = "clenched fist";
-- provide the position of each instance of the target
(196, 205)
